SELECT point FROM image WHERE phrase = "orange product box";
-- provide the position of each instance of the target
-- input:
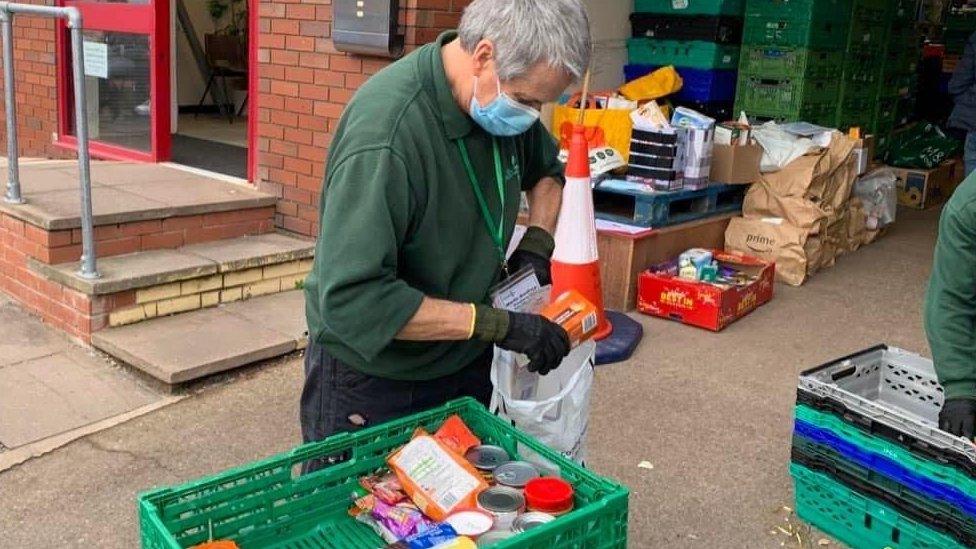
(660, 292)
(575, 314)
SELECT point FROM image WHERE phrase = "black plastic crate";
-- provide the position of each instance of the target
(723, 29)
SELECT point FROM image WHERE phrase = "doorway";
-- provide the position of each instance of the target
(166, 80)
(211, 85)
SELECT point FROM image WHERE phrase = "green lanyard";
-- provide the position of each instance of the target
(497, 233)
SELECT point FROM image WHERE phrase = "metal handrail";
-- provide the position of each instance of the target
(88, 268)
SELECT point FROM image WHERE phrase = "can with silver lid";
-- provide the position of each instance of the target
(486, 457)
(532, 520)
(494, 537)
(515, 474)
(503, 503)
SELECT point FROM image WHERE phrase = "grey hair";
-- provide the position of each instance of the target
(527, 32)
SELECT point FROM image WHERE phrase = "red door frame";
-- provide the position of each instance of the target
(253, 34)
(150, 19)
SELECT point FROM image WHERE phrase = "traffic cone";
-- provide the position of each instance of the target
(575, 261)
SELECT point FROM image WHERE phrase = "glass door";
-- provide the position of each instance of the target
(127, 79)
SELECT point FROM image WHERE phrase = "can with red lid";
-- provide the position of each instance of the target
(550, 495)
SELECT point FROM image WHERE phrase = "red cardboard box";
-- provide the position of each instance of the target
(661, 293)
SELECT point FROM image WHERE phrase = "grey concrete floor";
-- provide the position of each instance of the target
(711, 412)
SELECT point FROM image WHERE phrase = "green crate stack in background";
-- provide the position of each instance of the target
(792, 59)
(861, 80)
(959, 26)
(898, 71)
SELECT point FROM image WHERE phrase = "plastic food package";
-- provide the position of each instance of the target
(437, 479)
(457, 436)
(386, 488)
(878, 192)
(402, 519)
(436, 536)
(923, 147)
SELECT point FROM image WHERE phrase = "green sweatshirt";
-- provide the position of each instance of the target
(950, 305)
(400, 219)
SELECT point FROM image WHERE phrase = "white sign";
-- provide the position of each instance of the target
(96, 59)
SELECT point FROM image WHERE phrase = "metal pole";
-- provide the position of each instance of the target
(13, 195)
(88, 267)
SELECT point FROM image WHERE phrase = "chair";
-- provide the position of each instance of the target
(225, 59)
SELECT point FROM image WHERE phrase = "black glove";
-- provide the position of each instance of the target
(545, 343)
(534, 251)
(958, 417)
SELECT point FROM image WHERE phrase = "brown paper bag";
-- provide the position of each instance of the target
(773, 240)
(835, 235)
(811, 176)
(857, 227)
(761, 201)
(814, 251)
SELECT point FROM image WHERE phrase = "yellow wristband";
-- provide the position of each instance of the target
(474, 317)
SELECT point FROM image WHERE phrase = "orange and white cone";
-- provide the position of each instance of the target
(575, 261)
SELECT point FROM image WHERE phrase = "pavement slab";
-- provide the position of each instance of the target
(24, 337)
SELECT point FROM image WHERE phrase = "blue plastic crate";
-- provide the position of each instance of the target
(926, 486)
(704, 85)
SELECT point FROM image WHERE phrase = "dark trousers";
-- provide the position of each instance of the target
(338, 398)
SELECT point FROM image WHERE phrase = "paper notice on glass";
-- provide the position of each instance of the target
(96, 59)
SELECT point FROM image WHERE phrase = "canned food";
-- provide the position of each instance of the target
(487, 457)
(532, 520)
(515, 473)
(471, 523)
(494, 537)
(503, 503)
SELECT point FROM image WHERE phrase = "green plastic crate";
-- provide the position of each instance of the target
(791, 62)
(856, 520)
(856, 111)
(690, 7)
(799, 9)
(823, 113)
(783, 94)
(825, 33)
(269, 504)
(694, 54)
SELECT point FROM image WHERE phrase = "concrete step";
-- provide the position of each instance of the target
(145, 285)
(190, 346)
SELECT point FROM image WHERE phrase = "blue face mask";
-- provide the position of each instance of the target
(504, 117)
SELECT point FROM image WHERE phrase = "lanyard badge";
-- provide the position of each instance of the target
(495, 230)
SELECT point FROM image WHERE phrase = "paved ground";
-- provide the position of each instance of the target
(711, 412)
(52, 391)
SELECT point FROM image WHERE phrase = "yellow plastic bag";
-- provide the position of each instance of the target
(604, 127)
(658, 84)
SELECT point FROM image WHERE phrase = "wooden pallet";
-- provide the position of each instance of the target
(634, 204)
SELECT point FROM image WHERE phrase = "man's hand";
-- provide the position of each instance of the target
(534, 251)
(545, 343)
(958, 417)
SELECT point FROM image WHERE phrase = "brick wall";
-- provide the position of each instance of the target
(37, 108)
(304, 85)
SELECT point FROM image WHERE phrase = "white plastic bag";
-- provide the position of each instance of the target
(878, 192)
(779, 147)
(555, 409)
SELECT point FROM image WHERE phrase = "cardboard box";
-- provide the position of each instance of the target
(921, 189)
(661, 293)
(736, 165)
(864, 151)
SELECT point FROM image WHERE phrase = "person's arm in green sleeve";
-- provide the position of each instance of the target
(950, 304)
(543, 179)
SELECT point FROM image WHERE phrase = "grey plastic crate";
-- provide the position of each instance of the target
(893, 387)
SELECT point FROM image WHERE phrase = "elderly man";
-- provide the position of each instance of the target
(420, 199)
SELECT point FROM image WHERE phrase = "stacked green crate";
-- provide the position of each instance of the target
(959, 26)
(899, 78)
(791, 60)
(861, 79)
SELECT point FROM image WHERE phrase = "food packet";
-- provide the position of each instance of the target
(575, 314)
(402, 519)
(386, 488)
(456, 435)
(428, 539)
(437, 479)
